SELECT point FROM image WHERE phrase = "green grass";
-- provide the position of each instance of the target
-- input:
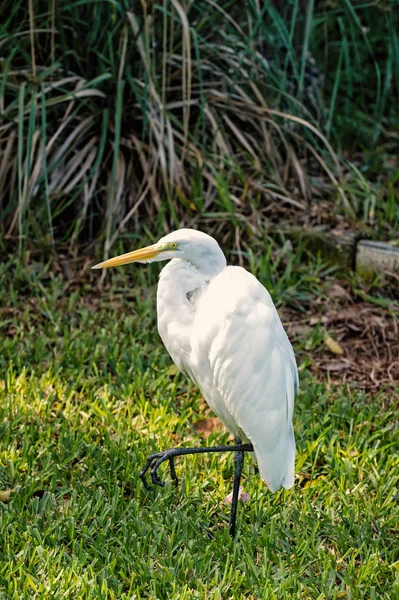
(88, 391)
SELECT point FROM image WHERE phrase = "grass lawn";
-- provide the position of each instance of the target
(87, 391)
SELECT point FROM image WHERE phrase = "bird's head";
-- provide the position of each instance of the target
(187, 244)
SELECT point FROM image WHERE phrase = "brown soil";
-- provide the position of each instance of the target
(361, 341)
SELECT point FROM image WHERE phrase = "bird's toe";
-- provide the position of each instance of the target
(243, 496)
(155, 479)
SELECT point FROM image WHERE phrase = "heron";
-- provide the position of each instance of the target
(221, 328)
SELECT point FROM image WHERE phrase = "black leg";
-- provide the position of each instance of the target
(154, 461)
(238, 466)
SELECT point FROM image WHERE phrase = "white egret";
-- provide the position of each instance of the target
(221, 328)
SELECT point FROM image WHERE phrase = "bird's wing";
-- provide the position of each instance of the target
(251, 363)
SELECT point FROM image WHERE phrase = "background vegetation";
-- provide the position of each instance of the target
(117, 113)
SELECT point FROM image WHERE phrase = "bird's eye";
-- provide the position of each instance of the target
(173, 246)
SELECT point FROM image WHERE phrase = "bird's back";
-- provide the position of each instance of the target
(242, 360)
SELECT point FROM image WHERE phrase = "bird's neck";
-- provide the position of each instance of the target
(208, 265)
(175, 309)
(177, 279)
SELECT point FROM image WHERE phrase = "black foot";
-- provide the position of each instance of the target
(154, 461)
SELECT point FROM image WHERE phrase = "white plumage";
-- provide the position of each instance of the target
(220, 326)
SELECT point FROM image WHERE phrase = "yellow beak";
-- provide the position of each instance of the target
(135, 256)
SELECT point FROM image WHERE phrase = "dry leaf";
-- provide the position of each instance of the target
(336, 291)
(335, 365)
(351, 312)
(332, 345)
(354, 327)
(207, 426)
(5, 495)
(379, 322)
(303, 330)
(317, 319)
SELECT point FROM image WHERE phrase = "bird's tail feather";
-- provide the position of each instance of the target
(277, 467)
(289, 475)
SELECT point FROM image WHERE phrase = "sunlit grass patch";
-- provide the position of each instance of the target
(87, 392)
